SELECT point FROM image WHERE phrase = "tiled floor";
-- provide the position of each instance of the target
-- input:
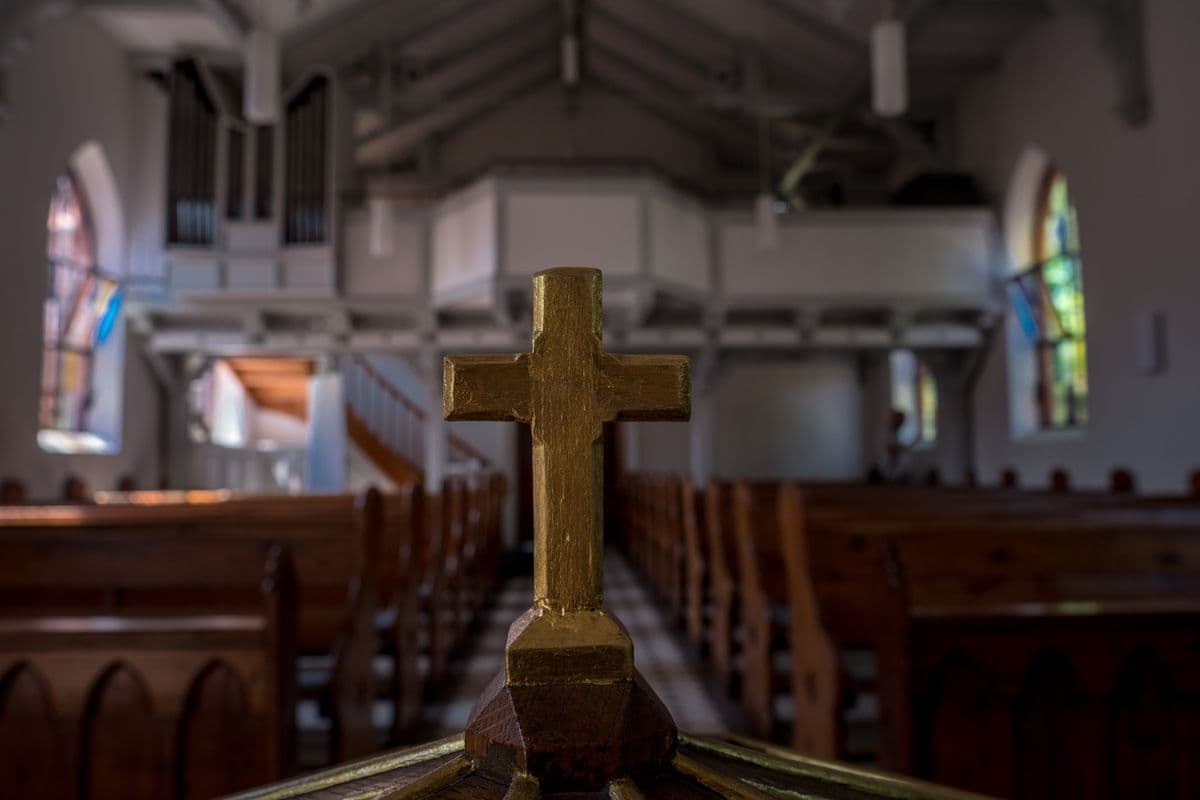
(658, 654)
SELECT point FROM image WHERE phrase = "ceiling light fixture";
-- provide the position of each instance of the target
(381, 234)
(261, 102)
(889, 67)
(570, 60)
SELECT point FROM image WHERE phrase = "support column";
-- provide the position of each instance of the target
(180, 464)
(704, 373)
(953, 418)
(327, 448)
(435, 449)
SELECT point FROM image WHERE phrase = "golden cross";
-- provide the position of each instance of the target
(565, 389)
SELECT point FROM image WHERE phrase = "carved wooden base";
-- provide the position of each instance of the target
(570, 736)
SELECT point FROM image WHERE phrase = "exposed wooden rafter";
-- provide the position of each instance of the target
(397, 141)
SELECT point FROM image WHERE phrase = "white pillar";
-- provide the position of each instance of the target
(953, 419)
(435, 424)
(701, 436)
(327, 449)
(700, 452)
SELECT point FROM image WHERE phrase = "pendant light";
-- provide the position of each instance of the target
(381, 234)
(889, 66)
(766, 221)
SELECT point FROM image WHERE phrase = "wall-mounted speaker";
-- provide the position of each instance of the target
(1152, 342)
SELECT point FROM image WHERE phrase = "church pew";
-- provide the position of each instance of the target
(74, 490)
(762, 602)
(12, 492)
(853, 583)
(672, 530)
(697, 596)
(671, 545)
(846, 564)
(723, 589)
(1054, 658)
(459, 562)
(336, 542)
(1122, 481)
(398, 624)
(487, 537)
(850, 575)
(147, 707)
(1060, 481)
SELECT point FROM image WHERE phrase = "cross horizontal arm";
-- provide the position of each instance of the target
(647, 387)
(486, 387)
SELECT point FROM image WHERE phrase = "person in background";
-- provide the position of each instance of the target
(74, 491)
(895, 455)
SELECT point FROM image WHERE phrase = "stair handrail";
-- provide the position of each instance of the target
(455, 444)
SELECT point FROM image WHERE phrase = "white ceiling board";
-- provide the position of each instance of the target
(146, 30)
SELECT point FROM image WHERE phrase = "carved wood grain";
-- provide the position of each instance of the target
(34, 762)
(220, 739)
(126, 748)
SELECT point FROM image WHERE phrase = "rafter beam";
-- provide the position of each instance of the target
(400, 140)
(492, 53)
(353, 34)
(684, 61)
(648, 91)
(818, 26)
(800, 73)
(228, 15)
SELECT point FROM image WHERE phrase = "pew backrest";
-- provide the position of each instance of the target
(141, 707)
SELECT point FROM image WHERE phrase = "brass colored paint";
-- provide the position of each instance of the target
(565, 389)
(431, 783)
(356, 770)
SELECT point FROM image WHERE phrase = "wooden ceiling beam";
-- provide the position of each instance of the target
(492, 53)
(360, 29)
(400, 140)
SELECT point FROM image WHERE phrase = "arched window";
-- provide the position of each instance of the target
(1047, 300)
(80, 311)
(914, 394)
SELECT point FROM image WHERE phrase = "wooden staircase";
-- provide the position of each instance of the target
(277, 383)
(381, 421)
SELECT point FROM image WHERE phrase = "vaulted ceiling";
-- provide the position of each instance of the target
(752, 82)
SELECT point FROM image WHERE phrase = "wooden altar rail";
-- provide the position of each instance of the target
(820, 574)
(375, 574)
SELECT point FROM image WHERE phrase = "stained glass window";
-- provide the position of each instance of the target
(80, 309)
(1048, 301)
(914, 394)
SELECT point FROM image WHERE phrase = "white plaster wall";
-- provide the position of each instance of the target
(799, 419)
(72, 86)
(772, 419)
(895, 253)
(572, 227)
(679, 242)
(464, 245)
(402, 273)
(598, 126)
(1137, 192)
